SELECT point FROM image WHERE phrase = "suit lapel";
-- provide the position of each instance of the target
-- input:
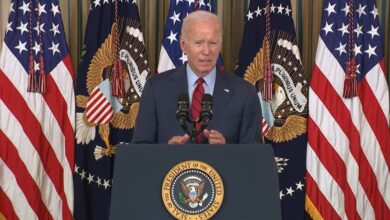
(179, 85)
(179, 80)
(222, 94)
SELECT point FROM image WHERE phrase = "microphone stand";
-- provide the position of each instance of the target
(195, 132)
(204, 117)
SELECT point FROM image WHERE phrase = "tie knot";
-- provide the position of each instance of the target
(199, 81)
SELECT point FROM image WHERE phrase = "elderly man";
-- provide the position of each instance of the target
(236, 108)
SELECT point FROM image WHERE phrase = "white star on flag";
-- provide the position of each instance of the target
(281, 194)
(360, 10)
(374, 12)
(290, 191)
(249, 15)
(328, 28)
(8, 27)
(258, 12)
(36, 48)
(55, 29)
(22, 27)
(175, 17)
(370, 51)
(341, 48)
(280, 9)
(41, 9)
(54, 9)
(358, 30)
(21, 47)
(106, 184)
(40, 29)
(288, 10)
(172, 37)
(11, 8)
(346, 9)
(373, 31)
(357, 50)
(273, 7)
(330, 9)
(54, 48)
(299, 186)
(183, 58)
(25, 7)
(344, 29)
(96, 2)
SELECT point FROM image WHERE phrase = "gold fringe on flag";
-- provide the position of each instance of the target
(312, 210)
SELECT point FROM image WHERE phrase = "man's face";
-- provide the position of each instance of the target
(202, 44)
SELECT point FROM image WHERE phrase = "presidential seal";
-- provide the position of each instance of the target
(192, 190)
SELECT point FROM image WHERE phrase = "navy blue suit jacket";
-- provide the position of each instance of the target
(236, 108)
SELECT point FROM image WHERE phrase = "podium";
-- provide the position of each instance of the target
(248, 172)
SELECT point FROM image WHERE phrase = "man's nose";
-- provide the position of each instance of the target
(206, 49)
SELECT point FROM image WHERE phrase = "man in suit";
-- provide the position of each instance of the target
(236, 108)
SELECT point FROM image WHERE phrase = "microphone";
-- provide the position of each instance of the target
(182, 110)
(206, 112)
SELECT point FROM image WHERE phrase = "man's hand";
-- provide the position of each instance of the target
(214, 136)
(179, 139)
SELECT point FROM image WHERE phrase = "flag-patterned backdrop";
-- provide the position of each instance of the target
(348, 151)
(284, 115)
(36, 128)
(103, 120)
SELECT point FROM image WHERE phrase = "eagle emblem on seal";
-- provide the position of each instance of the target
(101, 109)
(192, 188)
(285, 113)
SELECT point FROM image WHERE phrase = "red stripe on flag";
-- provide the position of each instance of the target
(59, 107)
(94, 92)
(68, 63)
(382, 64)
(95, 99)
(92, 106)
(10, 156)
(341, 114)
(334, 165)
(319, 200)
(6, 207)
(104, 119)
(11, 97)
(375, 117)
(92, 116)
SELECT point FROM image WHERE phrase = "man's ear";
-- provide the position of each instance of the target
(182, 44)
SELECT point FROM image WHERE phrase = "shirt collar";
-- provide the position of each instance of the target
(209, 78)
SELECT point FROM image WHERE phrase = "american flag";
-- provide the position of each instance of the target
(284, 116)
(348, 154)
(102, 120)
(37, 129)
(171, 55)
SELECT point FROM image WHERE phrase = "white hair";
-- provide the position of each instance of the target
(199, 16)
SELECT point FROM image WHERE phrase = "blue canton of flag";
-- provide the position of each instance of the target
(36, 128)
(171, 55)
(56, 48)
(337, 24)
(348, 153)
(285, 115)
(102, 120)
